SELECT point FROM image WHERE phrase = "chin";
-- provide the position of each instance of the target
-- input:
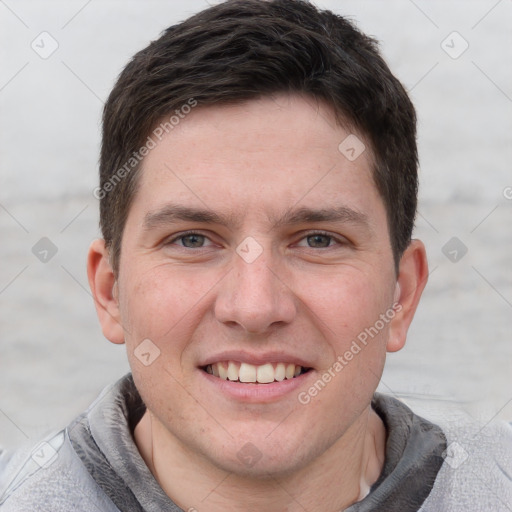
(265, 468)
(260, 456)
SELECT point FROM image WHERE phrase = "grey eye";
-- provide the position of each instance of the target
(319, 240)
(193, 241)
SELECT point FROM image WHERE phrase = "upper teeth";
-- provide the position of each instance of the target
(245, 372)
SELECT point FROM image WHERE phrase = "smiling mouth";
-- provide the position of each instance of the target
(260, 374)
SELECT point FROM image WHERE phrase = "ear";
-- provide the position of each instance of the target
(104, 291)
(412, 278)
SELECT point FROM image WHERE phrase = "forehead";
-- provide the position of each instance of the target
(261, 156)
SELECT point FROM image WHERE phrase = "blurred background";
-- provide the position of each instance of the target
(59, 60)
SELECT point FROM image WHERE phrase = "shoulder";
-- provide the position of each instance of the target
(477, 469)
(50, 476)
(474, 460)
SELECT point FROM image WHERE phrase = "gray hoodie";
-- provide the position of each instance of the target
(94, 465)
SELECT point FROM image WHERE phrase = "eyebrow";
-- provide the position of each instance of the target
(173, 213)
(309, 215)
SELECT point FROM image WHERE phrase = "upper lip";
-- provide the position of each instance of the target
(255, 359)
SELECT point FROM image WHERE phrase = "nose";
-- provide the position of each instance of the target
(255, 296)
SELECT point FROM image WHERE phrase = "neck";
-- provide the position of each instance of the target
(340, 476)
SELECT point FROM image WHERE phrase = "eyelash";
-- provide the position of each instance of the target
(339, 241)
(183, 235)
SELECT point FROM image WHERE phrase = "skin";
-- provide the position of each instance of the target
(303, 295)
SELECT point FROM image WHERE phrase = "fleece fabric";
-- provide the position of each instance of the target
(94, 465)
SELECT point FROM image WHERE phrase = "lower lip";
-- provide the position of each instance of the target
(257, 393)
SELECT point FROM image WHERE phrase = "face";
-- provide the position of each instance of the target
(256, 250)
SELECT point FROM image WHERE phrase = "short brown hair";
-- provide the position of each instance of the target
(244, 49)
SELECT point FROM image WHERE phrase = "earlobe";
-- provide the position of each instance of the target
(412, 278)
(104, 291)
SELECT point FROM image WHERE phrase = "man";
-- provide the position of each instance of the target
(258, 184)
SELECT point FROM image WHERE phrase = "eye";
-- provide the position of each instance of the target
(190, 241)
(319, 241)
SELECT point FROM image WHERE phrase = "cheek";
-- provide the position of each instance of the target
(348, 302)
(348, 307)
(163, 300)
(162, 304)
